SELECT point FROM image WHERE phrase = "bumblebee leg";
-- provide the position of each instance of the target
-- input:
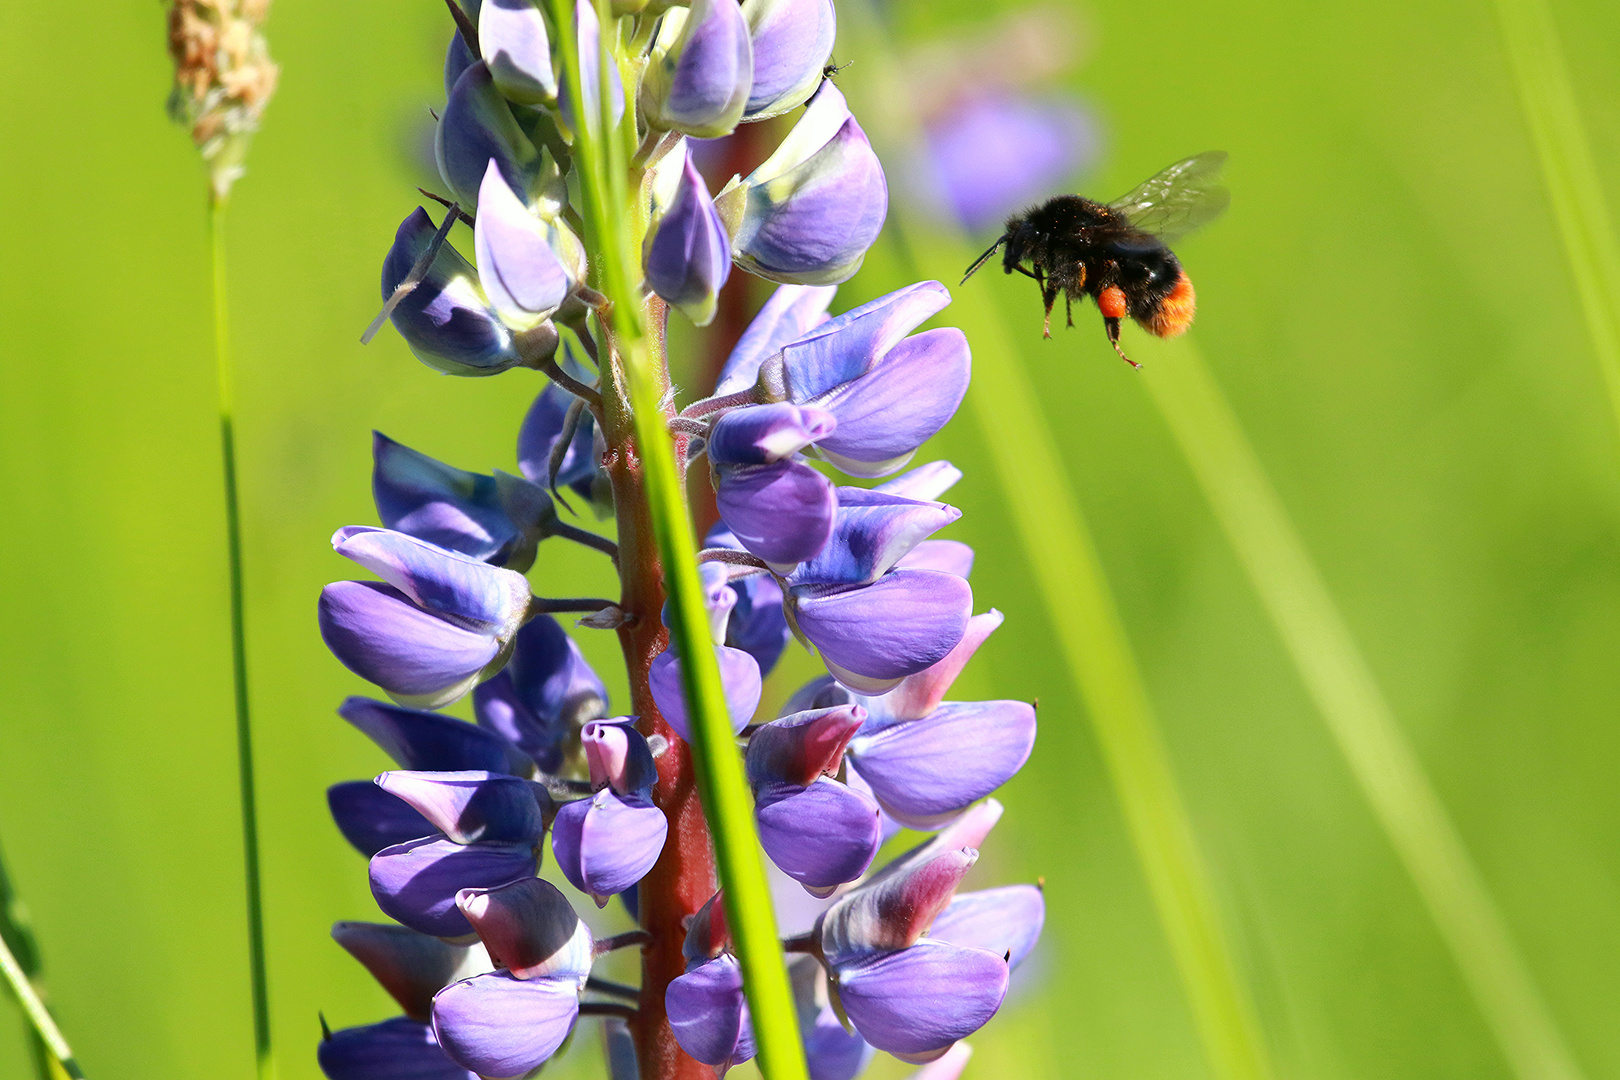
(1112, 326)
(1049, 294)
(1026, 273)
(1068, 308)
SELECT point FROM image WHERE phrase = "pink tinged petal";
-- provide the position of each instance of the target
(416, 883)
(792, 42)
(821, 835)
(687, 253)
(607, 843)
(800, 748)
(921, 694)
(466, 591)
(372, 819)
(412, 967)
(947, 1067)
(902, 402)
(618, 757)
(873, 636)
(523, 275)
(766, 434)
(916, 1002)
(925, 772)
(1005, 921)
(781, 513)
(499, 1026)
(432, 741)
(925, 482)
(708, 1014)
(871, 533)
(418, 658)
(790, 313)
(844, 348)
(894, 909)
(400, 1049)
(469, 807)
(512, 39)
(707, 935)
(700, 82)
(946, 556)
(530, 930)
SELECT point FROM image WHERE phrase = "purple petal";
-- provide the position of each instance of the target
(688, 252)
(872, 636)
(871, 532)
(607, 843)
(499, 710)
(618, 757)
(467, 591)
(381, 636)
(499, 1026)
(542, 427)
(739, 676)
(447, 507)
(920, 694)
(416, 883)
(792, 42)
(477, 126)
(758, 625)
(782, 513)
(699, 84)
(946, 556)
(431, 741)
(820, 836)
(766, 434)
(846, 347)
(412, 967)
(925, 482)
(833, 1053)
(708, 1014)
(446, 319)
(545, 693)
(400, 1049)
(524, 277)
(1005, 921)
(457, 59)
(926, 771)
(530, 930)
(894, 908)
(470, 807)
(884, 416)
(372, 819)
(790, 313)
(512, 39)
(799, 748)
(918, 1001)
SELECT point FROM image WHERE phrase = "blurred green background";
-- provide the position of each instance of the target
(1387, 305)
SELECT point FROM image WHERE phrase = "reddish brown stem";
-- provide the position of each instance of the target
(684, 876)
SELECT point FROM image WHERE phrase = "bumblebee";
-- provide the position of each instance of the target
(1117, 253)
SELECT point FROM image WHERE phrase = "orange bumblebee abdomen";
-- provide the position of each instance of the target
(1172, 315)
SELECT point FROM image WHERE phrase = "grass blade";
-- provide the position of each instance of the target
(19, 963)
(1339, 681)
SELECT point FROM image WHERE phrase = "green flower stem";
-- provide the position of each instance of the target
(635, 389)
(263, 1051)
(1542, 79)
(18, 935)
(38, 1015)
(1341, 683)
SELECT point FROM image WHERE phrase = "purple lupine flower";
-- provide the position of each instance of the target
(791, 312)
(698, 78)
(818, 831)
(758, 625)
(509, 1022)
(830, 1052)
(780, 509)
(687, 255)
(543, 696)
(400, 1047)
(416, 882)
(446, 319)
(442, 622)
(528, 263)
(372, 819)
(1007, 921)
(608, 842)
(513, 40)
(872, 532)
(809, 213)
(708, 1013)
(477, 127)
(792, 41)
(543, 426)
(498, 519)
(412, 967)
(474, 806)
(432, 741)
(739, 675)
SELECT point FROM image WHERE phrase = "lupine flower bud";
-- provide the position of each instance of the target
(739, 675)
(372, 819)
(442, 621)
(416, 883)
(608, 842)
(546, 692)
(687, 254)
(792, 42)
(497, 519)
(446, 319)
(513, 40)
(474, 807)
(872, 636)
(766, 434)
(587, 32)
(808, 214)
(478, 127)
(527, 264)
(790, 313)
(530, 930)
(817, 831)
(701, 70)
(431, 741)
(500, 1026)
(399, 1047)
(412, 967)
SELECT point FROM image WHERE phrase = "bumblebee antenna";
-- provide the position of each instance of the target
(982, 259)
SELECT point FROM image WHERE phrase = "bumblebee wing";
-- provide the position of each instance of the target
(1178, 200)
